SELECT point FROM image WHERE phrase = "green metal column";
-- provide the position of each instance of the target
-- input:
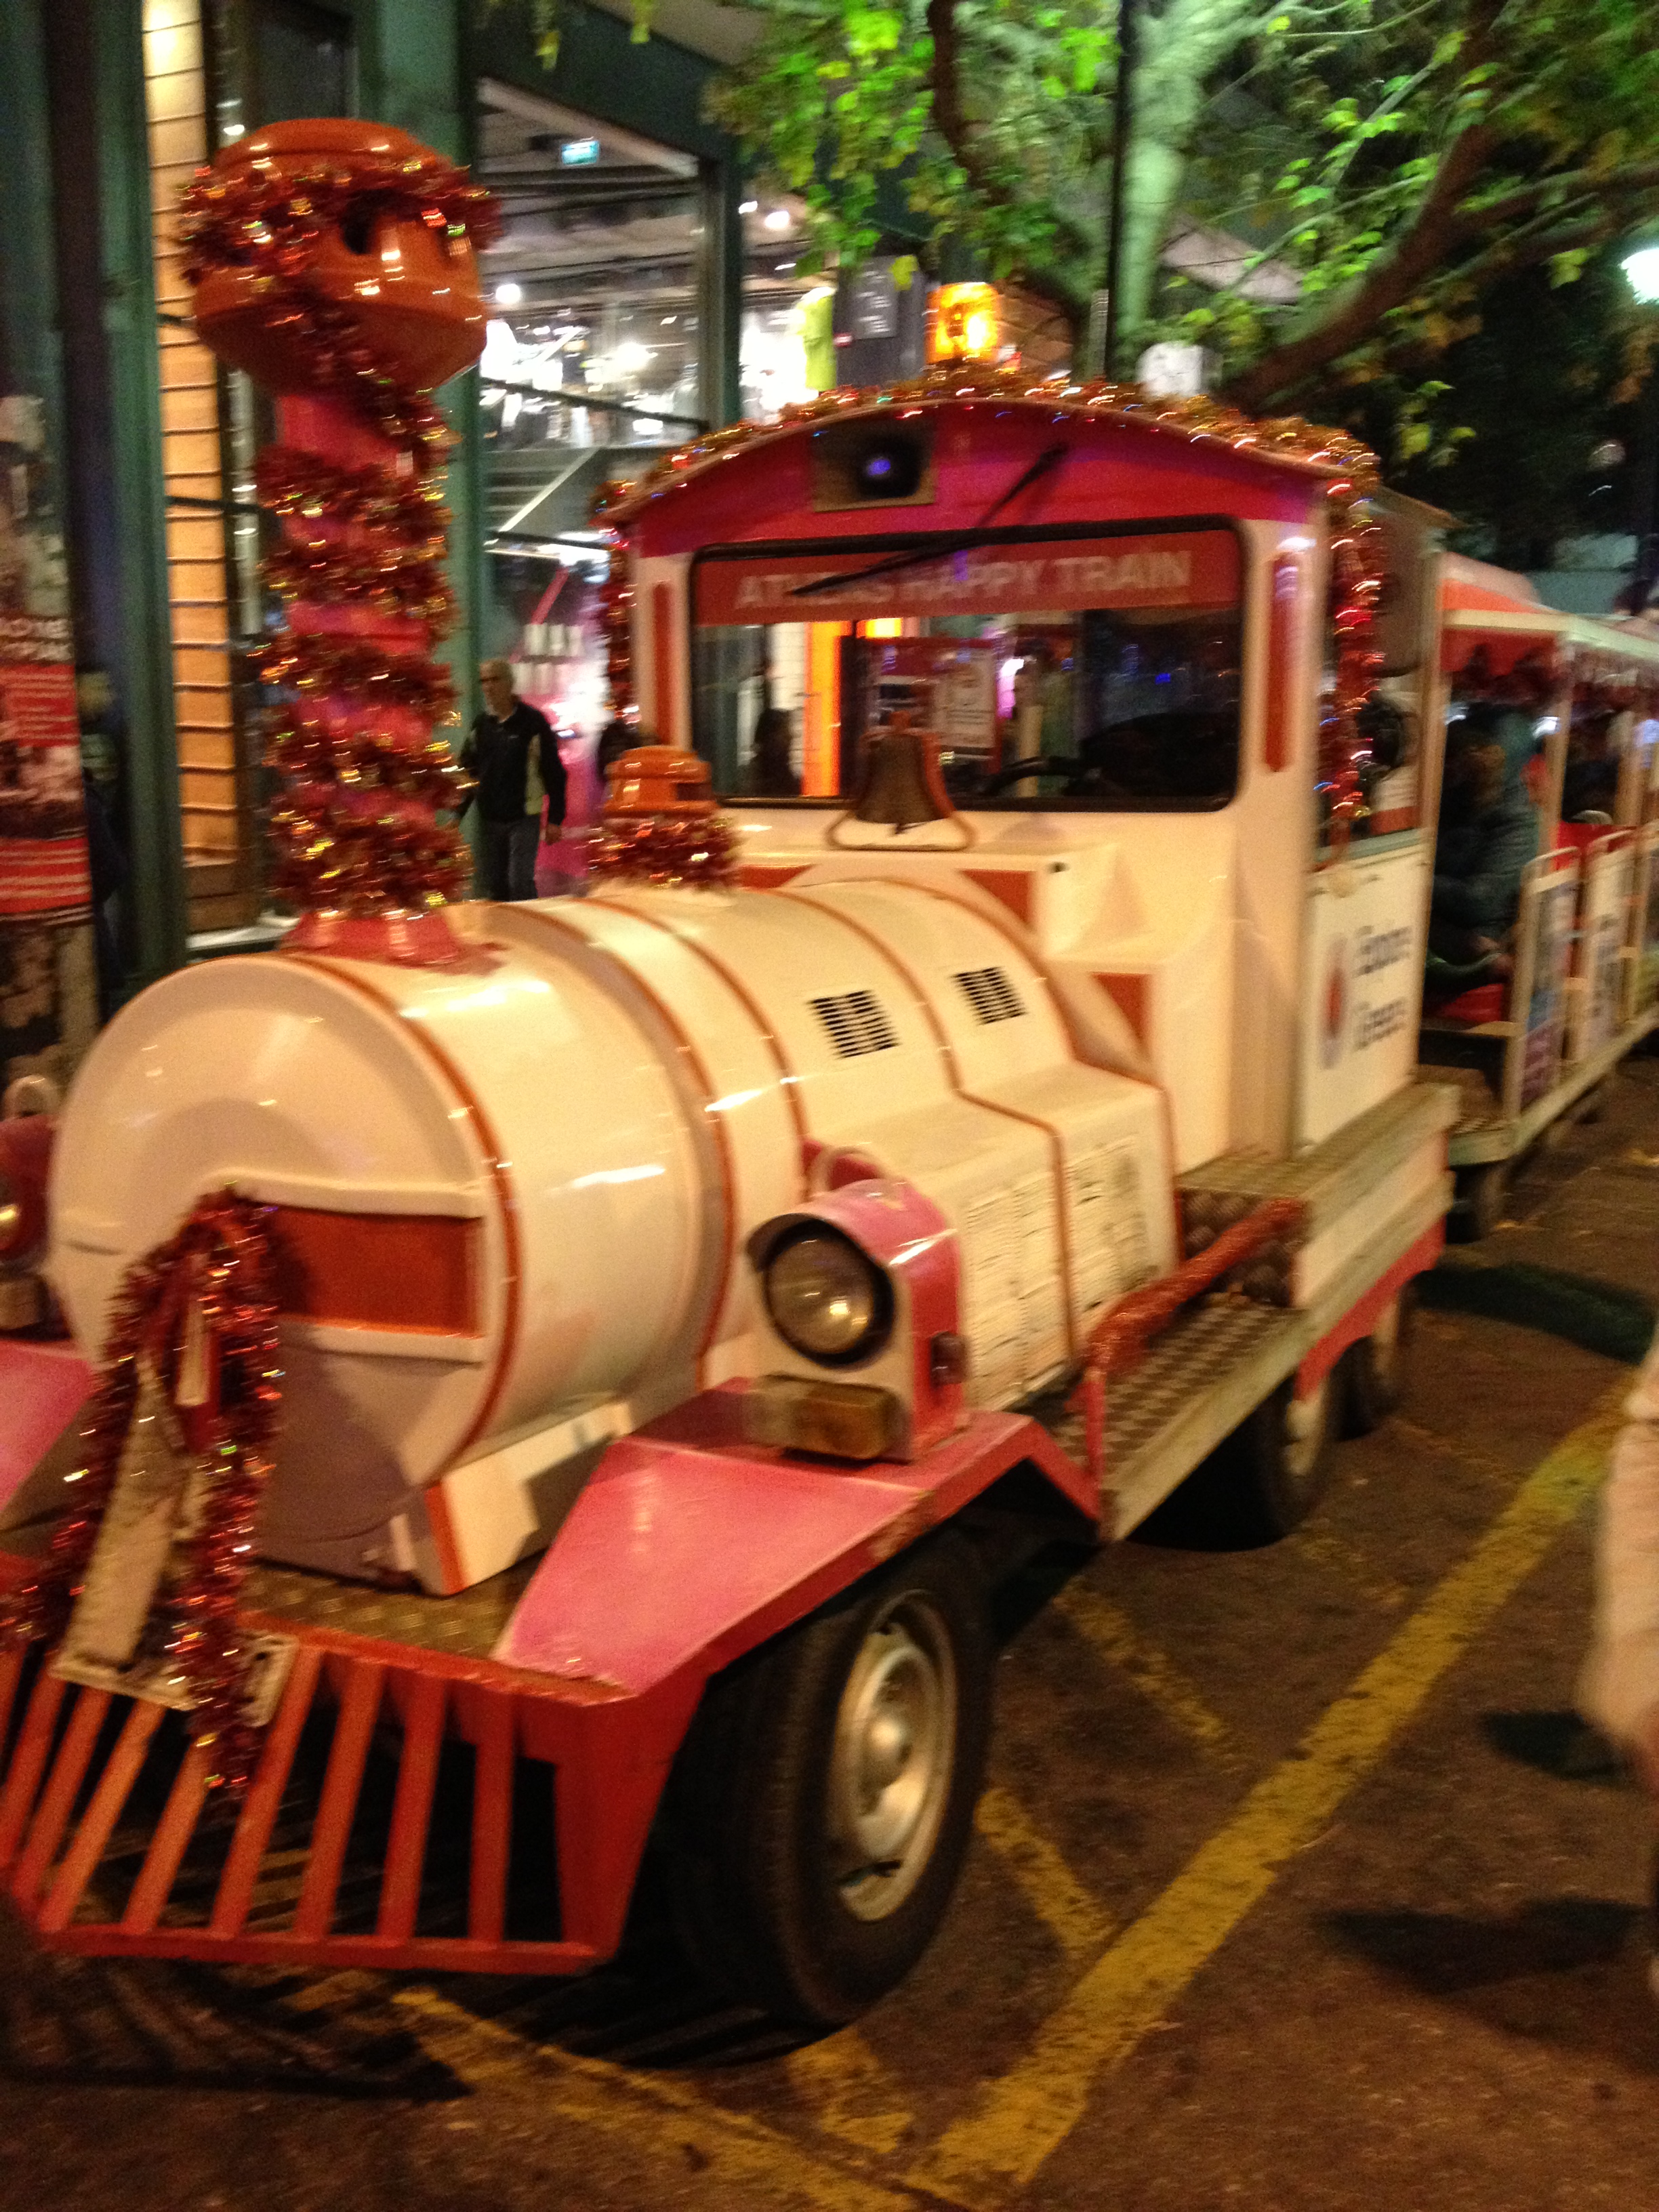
(144, 673)
(414, 71)
(48, 992)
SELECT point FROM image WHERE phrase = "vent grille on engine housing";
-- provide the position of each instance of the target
(855, 1022)
(990, 994)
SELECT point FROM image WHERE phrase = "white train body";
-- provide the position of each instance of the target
(516, 1199)
(724, 1243)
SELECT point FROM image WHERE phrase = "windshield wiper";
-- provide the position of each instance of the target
(1050, 458)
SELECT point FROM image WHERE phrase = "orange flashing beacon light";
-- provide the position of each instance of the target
(965, 324)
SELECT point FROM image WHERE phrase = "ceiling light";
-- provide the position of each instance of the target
(748, 207)
(777, 219)
(508, 296)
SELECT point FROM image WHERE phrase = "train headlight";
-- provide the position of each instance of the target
(826, 1299)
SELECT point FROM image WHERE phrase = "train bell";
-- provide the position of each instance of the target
(899, 780)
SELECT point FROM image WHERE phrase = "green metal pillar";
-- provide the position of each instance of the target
(414, 71)
(48, 986)
(143, 669)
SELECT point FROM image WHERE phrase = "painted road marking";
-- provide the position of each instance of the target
(1349, 1565)
(1115, 1636)
(728, 2148)
(1073, 1918)
(1021, 2120)
(1477, 1462)
(849, 2093)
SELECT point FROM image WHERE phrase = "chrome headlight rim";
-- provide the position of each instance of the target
(14, 1214)
(877, 1328)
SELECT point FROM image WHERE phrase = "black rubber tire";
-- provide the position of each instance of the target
(1260, 1482)
(1376, 1369)
(1479, 1206)
(760, 1901)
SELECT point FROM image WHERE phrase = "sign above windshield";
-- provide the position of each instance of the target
(1197, 568)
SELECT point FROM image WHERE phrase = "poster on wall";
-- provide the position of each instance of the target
(48, 991)
(1549, 916)
(1362, 984)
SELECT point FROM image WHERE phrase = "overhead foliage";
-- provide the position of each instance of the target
(1382, 161)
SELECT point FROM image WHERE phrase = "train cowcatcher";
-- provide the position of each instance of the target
(690, 1297)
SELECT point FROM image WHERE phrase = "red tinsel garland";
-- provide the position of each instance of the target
(1357, 555)
(616, 599)
(219, 1262)
(272, 221)
(413, 513)
(357, 830)
(665, 849)
(313, 661)
(398, 584)
(311, 752)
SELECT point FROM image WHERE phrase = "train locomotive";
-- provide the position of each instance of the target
(691, 1295)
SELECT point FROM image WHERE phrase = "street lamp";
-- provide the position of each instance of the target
(1641, 269)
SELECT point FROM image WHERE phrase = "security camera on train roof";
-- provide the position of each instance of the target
(859, 1321)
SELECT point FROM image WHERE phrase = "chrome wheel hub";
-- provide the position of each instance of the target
(895, 1748)
(1304, 1432)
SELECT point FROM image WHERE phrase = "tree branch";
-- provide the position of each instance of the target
(1438, 226)
(951, 121)
(949, 117)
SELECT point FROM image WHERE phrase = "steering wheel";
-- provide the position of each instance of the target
(1076, 772)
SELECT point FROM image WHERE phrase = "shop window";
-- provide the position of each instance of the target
(787, 349)
(596, 360)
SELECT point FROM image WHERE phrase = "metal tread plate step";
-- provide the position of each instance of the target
(466, 1625)
(1323, 1176)
(1209, 1368)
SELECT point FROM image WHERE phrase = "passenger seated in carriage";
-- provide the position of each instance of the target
(1488, 833)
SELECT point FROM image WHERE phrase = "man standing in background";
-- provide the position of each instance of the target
(513, 758)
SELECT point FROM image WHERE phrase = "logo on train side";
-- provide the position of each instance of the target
(1333, 1022)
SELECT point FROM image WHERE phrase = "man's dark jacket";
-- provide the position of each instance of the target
(497, 753)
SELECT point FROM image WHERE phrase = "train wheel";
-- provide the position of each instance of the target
(1479, 1206)
(824, 1800)
(1374, 1368)
(1261, 1482)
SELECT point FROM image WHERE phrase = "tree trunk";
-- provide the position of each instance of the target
(1179, 47)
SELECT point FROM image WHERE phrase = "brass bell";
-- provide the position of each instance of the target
(899, 780)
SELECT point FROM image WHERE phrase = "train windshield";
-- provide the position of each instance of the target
(1100, 669)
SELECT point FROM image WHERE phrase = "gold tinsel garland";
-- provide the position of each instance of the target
(1349, 469)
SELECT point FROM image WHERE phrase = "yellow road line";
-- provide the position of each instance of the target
(1466, 1455)
(1349, 1563)
(729, 2149)
(1073, 1919)
(333, 1993)
(849, 2093)
(1022, 2118)
(1115, 1636)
